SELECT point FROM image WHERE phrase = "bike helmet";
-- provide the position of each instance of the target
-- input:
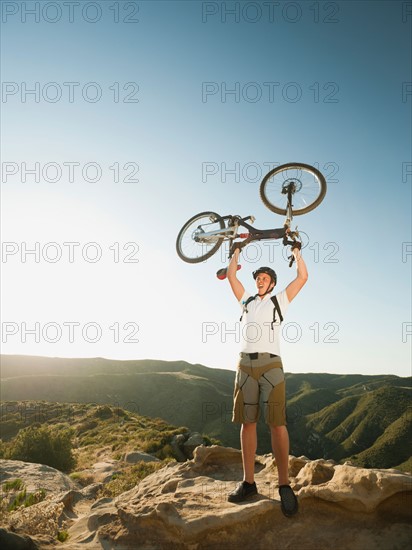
(268, 270)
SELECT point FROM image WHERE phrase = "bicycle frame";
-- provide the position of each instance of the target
(230, 232)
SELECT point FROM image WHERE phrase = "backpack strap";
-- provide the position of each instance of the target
(276, 309)
(250, 299)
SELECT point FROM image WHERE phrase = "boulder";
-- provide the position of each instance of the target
(177, 445)
(314, 473)
(12, 541)
(365, 490)
(35, 476)
(135, 456)
(194, 440)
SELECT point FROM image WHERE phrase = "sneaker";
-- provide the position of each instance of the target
(243, 491)
(288, 500)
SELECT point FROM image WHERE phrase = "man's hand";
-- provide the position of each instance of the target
(236, 247)
(296, 247)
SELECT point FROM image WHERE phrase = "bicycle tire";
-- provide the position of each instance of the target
(204, 256)
(319, 190)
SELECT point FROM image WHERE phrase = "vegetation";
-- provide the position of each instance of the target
(356, 417)
(43, 445)
(128, 478)
(76, 435)
(14, 495)
(62, 536)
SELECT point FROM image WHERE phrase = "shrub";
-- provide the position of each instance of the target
(44, 446)
(62, 536)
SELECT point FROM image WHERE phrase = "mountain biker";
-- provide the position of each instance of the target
(260, 373)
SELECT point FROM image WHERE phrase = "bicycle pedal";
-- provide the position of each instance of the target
(222, 273)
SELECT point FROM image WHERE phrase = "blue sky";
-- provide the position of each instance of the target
(338, 73)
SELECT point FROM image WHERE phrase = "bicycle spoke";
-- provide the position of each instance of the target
(195, 242)
(306, 184)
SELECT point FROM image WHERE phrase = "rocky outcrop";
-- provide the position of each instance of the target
(35, 476)
(184, 444)
(184, 506)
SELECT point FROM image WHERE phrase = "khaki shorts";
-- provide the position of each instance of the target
(255, 378)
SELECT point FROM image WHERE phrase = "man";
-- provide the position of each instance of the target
(260, 373)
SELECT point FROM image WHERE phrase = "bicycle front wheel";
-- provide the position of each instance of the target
(199, 238)
(308, 184)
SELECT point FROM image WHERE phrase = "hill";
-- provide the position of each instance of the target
(357, 417)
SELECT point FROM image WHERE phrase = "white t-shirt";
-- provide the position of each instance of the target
(256, 331)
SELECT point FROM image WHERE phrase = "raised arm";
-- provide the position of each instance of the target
(302, 276)
(236, 285)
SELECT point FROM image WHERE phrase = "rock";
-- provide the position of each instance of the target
(190, 445)
(217, 456)
(70, 498)
(176, 444)
(364, 490)
(135, 456)
(90, 491)
(103, 471)
(314, 473)
(101, 502)
(35, 476)
(296, 464)
(12, 541)
(184, 506)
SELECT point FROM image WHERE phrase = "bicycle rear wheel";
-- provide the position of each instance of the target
(308, 183)
(193, 245)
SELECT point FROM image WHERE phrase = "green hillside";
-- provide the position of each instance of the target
(395, 441)
(329, 415)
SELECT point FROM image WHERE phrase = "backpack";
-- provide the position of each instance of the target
(276, 308)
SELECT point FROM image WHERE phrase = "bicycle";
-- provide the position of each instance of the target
(297, 183)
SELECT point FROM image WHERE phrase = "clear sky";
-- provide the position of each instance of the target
(121, 120)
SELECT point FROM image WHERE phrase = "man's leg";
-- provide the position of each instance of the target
(272, 385)
(248, 440)
(280, 448)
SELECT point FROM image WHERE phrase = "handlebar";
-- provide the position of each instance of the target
(290, 238)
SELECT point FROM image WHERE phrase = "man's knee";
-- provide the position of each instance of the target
(249, 426)
(278, 430)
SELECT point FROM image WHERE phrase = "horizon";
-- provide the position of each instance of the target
(192, 364)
